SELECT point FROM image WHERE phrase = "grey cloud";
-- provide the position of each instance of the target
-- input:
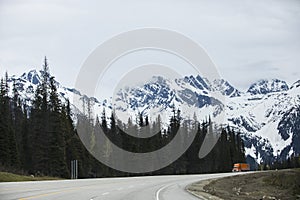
(246, 39)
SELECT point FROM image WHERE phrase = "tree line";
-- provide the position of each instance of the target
(39, 137)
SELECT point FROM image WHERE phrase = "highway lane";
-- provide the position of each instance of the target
(134, 188)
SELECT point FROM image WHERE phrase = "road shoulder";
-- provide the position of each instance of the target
(277, 184)
(197, 189)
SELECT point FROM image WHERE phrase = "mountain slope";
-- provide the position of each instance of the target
(267, 114)
(257, 113)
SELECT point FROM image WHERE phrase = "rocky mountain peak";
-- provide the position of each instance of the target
(266, 86)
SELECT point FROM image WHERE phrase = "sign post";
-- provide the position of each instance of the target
(74, 169)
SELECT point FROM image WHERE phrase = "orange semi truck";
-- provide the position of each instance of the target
(239, 167)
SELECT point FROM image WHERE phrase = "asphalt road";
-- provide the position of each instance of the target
(135, 188)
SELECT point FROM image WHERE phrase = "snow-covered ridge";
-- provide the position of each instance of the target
(257, 113)
(268, 86)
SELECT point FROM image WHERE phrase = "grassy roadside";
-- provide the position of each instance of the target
(9, 177)
(281, 184)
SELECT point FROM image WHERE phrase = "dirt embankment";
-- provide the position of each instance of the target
(281, 184)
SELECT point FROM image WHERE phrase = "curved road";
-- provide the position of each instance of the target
(134, 188)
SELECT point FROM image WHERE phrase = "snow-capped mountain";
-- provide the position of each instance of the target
(268, 86)
(221, 85)
(27, 84)
(267, 114)
(263, 117)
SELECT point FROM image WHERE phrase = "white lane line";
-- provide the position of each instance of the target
(92, 198)
(105, 193)
(158, 191)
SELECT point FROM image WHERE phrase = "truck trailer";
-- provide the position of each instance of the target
(240, 167)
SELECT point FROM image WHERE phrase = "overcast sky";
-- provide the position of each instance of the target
(247, 40)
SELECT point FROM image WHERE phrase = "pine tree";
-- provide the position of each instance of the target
(9, 156)
(113, 127)
(140, 120)
(39, 121)
(4, 129)
(25, 150)
(57, 163)
(225, 161)
(17, 121)
(35, 136)
(104, 121)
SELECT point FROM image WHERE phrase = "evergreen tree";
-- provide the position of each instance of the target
(25, 150)
(9, 155)
(57, 164)
(113, 127)
(39, 121)
(4, 152)
(104, 121)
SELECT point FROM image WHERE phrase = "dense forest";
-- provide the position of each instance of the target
(40, 137)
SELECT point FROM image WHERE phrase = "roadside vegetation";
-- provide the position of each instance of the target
(275, 184)
(10, 177)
